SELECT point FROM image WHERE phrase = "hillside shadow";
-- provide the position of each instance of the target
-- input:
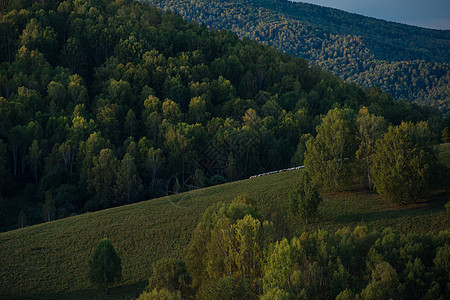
(413, 210)
(131, 291)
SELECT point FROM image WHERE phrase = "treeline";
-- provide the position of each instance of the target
(409, 62)
(233, 254)
(105, 103)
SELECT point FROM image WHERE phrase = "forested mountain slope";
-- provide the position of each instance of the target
(106, 103)
(410, 62)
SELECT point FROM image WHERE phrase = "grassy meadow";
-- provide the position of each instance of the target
(50, 260)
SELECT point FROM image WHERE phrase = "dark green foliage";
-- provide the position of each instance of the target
(148, 231)
(105, 266)
(162, 294)
(330, 157)
(370, 129)
(4, 166)
(402, 163)
(409, 62)
(305, 200)
(229, 288)
(126, 109)
(375, 265)
(171, 275)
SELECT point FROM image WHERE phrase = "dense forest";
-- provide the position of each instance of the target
(105, 103)
(409, 62)
(232, 255)
(99, 109)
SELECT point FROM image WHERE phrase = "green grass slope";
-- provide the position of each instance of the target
(50, 260)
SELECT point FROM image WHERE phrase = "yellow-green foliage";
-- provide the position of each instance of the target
(51, 259)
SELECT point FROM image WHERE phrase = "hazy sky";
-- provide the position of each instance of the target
(425, 13)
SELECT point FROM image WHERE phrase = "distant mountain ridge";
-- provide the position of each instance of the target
(407, 61)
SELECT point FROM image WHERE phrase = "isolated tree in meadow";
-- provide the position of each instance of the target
(105, 265)
(403, 161)
(305, 199)
(329, 157)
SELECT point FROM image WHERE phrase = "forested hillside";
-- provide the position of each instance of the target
(409, 62)
(108, 103)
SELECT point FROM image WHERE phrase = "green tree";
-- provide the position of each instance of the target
(170, 274)
(18, 138)
(384, 284)
(445, 136)
(305, 199)
(229, 241)
(198, 112)
(329, 158)
(57, 95)
(34, 36)
(402, 163)
(370, 129)
(4, 163)
(162, 294)
(48, 209)
(105, 265)
(34, 158)
(131, 122)
(67, 153)
(171, 111)
(128, 183)
(103, 177)
(280, 274)
(77, 89)
(22, 219)
(154, 161)
(230, 169)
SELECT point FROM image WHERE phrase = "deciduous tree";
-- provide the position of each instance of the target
(105, 265)
(370, 129)
(305, 199)
(329, 158)
(403, 161)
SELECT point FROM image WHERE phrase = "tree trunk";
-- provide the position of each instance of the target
(104, 274)
(15, 159)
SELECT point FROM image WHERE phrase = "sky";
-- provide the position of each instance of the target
(433, 14)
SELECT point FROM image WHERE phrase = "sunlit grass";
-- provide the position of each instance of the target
(50, 260)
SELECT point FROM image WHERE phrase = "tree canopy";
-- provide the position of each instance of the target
(111, 109)
(407, 61)
(105, 265)
(402, 163)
